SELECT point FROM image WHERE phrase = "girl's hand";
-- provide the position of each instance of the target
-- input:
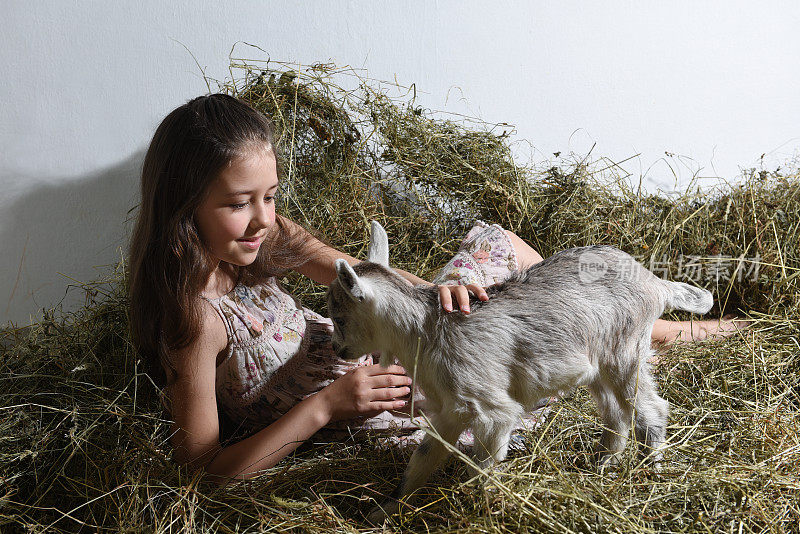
(366, 391)
(462, 296)
(446, 292)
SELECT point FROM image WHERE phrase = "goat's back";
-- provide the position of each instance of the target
(596, 283)
(579, 304)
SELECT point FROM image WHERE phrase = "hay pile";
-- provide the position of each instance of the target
(83, 444)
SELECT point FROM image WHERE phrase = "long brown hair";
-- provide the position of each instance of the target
(169, 263)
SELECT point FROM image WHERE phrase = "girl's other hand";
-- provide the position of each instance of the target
(446, 292)
(367, 391)
(461, 293)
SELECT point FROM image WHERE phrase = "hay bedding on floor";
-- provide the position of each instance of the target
(83, 444)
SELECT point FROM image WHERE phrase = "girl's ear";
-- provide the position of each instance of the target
(351, 283)
(378, 251)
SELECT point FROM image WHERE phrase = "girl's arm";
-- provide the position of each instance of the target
(365, 391)
(321, 259)
(321, 267)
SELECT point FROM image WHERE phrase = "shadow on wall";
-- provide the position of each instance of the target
(56, 233)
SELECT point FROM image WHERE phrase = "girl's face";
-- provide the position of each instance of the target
(240, 205)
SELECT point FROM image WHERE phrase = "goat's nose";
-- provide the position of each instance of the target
(341, 352)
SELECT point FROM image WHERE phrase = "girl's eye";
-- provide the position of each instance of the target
(242, 205)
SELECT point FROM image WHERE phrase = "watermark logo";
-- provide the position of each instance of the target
(694, 269)
(704, 269)
(591, 267)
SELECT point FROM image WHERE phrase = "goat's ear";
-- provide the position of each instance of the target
(351, 283)
(378, 251)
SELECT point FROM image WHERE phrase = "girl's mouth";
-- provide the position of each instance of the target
(252, 243)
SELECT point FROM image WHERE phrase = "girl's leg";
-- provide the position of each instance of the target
(664, 332)
(667, 332)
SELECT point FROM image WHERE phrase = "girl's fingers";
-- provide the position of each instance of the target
(389, 405)
(446, 298)
(385, 394)
(478, 291)
(388, 381)
(393, 369)
(462, 297)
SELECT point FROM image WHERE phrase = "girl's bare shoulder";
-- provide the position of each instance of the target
(200, 354)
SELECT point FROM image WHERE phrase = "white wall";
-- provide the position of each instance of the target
(84, 84)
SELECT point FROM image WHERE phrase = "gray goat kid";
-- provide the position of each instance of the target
(582, 317)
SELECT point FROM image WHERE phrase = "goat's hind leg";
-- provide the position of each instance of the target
(637, 400)
(492, 433)
(651, 414)
(616, 419)
(637, 386)
(426, 458)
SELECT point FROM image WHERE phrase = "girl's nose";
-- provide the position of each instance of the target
(261, 216)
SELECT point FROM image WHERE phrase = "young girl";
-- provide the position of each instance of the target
(210, 319)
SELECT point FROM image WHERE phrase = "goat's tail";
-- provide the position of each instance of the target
(684, 297)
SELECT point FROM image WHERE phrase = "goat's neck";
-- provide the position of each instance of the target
(401, 322)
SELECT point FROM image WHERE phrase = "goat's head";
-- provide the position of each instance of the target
(356, 293)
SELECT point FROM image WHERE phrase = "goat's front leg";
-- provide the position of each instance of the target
(430, 453)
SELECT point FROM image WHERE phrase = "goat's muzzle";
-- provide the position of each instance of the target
(342, 352)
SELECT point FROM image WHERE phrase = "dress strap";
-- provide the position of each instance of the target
(217, 305)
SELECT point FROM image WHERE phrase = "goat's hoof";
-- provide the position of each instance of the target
(608, 460)
(657, 467)
(377, 516)
(490, 489)
(381, 513)
(655, 460)
(651, 457)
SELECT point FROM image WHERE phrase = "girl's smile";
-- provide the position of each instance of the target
(251, 243)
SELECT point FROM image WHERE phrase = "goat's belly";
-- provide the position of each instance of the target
(529, 384)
